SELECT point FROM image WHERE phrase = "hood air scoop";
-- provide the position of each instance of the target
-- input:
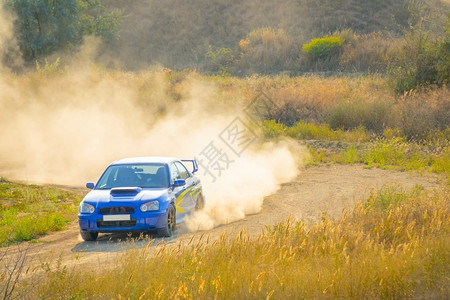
(121, 191)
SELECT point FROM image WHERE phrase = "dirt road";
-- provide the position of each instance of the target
(313, 192)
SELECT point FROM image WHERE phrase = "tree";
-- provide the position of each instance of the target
(45, 26)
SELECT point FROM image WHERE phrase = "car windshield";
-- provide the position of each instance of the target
(135, 175)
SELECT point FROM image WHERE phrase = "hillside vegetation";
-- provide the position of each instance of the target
(407, 40)
(177, 34)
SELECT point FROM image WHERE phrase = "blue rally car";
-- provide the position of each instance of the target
(140, 194)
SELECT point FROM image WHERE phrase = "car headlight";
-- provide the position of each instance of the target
(86, 208)
(150, 206)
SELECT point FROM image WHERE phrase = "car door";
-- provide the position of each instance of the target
(180, 193)
(193, 187)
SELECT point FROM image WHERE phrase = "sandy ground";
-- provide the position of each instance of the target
(315, 191)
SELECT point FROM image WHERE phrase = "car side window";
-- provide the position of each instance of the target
(174, 173)
(184, 173)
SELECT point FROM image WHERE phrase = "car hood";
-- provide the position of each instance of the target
(136, 194)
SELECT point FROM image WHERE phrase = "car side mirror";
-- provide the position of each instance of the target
(179, 182)
(90, 185)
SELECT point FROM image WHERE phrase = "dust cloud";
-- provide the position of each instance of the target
(66, 127)
(241, 190)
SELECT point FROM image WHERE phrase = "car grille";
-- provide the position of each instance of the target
(112, 224)
(116, 210)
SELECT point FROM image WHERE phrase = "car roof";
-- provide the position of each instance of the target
(145, 160)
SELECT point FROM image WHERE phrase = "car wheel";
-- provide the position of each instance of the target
(171, 223)
(89, 235)
(200, 203)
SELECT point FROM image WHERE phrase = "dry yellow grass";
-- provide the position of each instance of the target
(393, 245)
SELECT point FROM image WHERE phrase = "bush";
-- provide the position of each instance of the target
(266, 51)
(367, 53)
(321, 48)
(272, 129)
(385, 154)
(348, 115)
(321, 54)
(219, 61)
(422, 61)
(421, 113)
(443, 64)
(287, 114)
(307, 131)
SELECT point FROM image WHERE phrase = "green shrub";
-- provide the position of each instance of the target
(320, 48)
(350, 156)
(443, 63)
(308, 131)
(384, 154)
(441, 164)
(423, 60)
(272, 129)
(219, 61)
(415, 68)
(321, 54)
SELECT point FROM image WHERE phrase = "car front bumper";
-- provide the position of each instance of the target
(138, 222)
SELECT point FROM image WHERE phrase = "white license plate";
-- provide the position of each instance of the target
(116, 218)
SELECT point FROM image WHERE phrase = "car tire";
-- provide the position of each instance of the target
(89, 235)
(171, 223)
(200, 203)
